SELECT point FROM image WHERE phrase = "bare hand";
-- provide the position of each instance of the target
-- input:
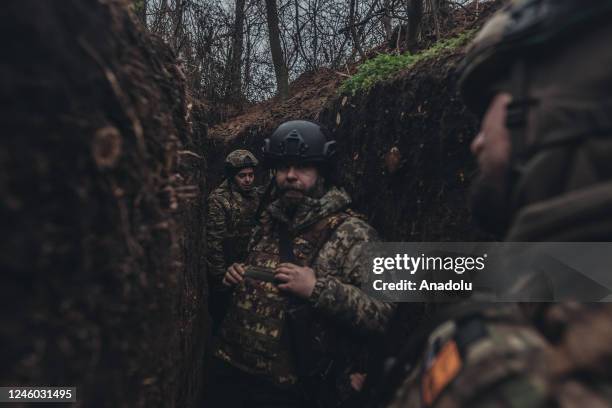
(298, 280)
(233, 275)
(357, 380)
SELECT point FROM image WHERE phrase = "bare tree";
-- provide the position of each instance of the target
(227, 64)
(178, 25)
(234, 88)
(280, 68)
(386, 19)
(353, 30)
(415, 17)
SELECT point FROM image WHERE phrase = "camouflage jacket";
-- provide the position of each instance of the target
(254, 335)
(500, 359)
(229, 225)
(483, 358)
(552, 354)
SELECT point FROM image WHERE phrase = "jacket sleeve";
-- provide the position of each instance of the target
(216, 229)
(342, 300)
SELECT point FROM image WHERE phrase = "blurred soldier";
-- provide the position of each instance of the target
(231, 218)
(296, 326)
(539, 74)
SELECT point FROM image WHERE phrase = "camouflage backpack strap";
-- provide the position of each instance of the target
(320, 233)
(312, 344)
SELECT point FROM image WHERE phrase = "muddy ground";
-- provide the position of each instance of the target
(101, 174)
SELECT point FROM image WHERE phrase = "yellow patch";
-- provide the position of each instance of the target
(443, 370)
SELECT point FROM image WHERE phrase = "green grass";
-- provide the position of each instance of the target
(385, 66)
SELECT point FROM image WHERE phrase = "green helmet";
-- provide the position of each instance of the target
(514, 44)
(553, 58)
(518, 32)
(239, 159)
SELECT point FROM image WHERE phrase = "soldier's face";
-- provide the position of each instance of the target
(492, 148)
(245, 178)
(295, 181)
(492, 144)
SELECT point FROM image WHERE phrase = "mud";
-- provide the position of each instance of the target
(104, 165)
(405, 154)
(101, 174)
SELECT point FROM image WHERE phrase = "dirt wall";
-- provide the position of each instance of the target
(405, 153)
(101, 173)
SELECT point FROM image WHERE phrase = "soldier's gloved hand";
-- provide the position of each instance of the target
(298, 280)
(233, 275)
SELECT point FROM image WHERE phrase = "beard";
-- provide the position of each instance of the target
(291, 195)
(491, 206)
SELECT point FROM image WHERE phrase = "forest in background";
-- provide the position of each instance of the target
(239, 52)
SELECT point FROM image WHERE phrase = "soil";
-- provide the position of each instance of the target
(307, 94)
(104, 168)
(101, 173)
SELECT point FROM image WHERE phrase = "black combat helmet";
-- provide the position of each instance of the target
(298, 141)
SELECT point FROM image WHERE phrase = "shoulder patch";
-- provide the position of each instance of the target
(443, 369)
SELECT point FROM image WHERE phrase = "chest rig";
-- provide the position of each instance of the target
(254, 335)
(240, 213)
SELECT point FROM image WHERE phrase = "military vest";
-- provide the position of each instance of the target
(254, 334)
(240, 216)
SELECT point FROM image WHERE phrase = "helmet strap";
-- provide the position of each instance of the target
(518, 110)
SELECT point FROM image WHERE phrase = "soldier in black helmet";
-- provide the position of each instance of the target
(538, 75)
(296, 326)
(230, 220)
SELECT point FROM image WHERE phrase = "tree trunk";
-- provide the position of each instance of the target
(354, 36)
(280, 68)
(415, 17)
(178, 26)
(435, 10)
(386, 20)
(247, 63)
(234, 91)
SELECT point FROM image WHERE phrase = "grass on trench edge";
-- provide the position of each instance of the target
(384, 66)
